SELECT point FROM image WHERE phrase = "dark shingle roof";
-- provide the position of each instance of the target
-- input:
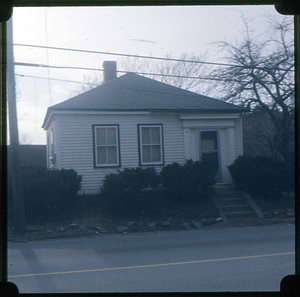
(132, 92)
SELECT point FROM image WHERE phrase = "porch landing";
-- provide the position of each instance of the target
(234, 204)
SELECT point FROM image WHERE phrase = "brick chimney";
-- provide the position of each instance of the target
(110, 71)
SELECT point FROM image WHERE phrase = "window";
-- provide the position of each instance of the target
(151, 146)
(106, 148)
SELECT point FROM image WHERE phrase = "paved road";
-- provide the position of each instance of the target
(238, 259)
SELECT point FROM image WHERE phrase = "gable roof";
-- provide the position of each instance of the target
(132, 92)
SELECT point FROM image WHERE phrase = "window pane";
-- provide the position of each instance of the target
(146, 154)
(156, 153)
(101, 155)
(111, 136)
(145, 135)
(209, 140)
(208, 144)
(100, 135)
(155, 133)
(112, 155)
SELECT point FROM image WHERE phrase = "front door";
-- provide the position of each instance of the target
(209, 150)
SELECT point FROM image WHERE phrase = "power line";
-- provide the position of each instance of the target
(120, 71)
(141, 73)
(56, 79)
(119, 54)
(141, 56)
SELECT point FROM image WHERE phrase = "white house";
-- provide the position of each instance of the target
(134, 121)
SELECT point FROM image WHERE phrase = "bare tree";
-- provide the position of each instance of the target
(91, 81)
(25, 138)
(176, 73)
(263, 77)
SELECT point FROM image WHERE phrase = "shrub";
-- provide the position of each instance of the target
(129, 191)
(262, 176)
(47, 190)
(188, 182)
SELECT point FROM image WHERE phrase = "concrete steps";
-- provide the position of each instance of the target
(235, 204)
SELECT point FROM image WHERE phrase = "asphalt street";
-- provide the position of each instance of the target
(233, 259)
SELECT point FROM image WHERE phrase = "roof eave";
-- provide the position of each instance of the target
(51, 110)
(147, 109)
(47, 119)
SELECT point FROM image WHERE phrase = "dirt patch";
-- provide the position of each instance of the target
(287, 200)
(91, 221)
(87, 221)
(93, 228)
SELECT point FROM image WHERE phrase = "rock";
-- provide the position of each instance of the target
(129, 224)
(290, 213)
(166, 223)
(82, 228)
(268, 214)
(122, 229)
(186, 226)
(218, 220)
(208, 222)
(211, 221)
(34, 228)
(95, 228)
(61, 229)
(197, 225)
(49, 231)
(205, 221)
(73, 226)
(151, 225)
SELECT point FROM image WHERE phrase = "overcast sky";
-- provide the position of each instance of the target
(151, 31)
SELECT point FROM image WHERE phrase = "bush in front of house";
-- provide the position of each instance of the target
(47, 191)
(263, 176)
(130, 190)
(136, 190)
(189, 182)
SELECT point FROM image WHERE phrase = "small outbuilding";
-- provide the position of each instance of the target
(134, 121)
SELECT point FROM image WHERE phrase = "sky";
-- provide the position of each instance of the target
(148, 31)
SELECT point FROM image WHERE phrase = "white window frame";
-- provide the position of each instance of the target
(160, 126)
(96, 164)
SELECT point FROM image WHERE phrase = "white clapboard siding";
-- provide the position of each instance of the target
(76, 143)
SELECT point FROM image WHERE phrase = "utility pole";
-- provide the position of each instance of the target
(14, 151)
